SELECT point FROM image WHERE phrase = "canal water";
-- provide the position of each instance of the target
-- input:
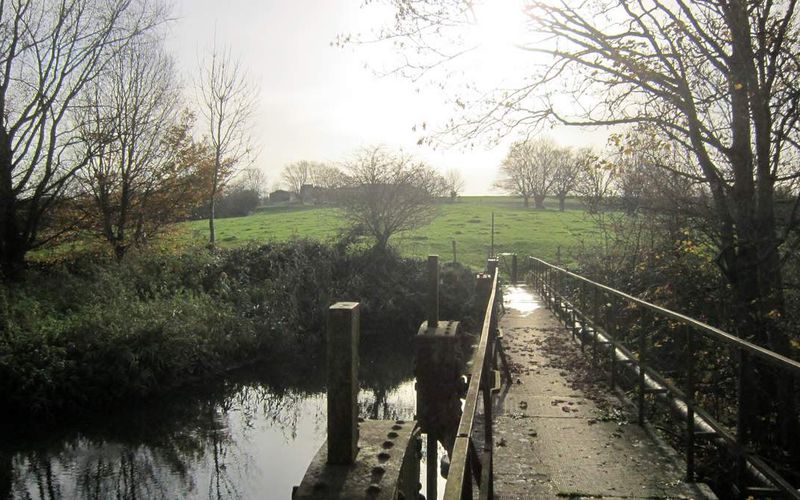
(249, 436)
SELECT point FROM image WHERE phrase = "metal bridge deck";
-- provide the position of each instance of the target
(559, 433)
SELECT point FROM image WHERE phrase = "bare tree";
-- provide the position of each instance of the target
(386, 193)
(568, 167)
(326, 176)
(49, 52)
(528, 170)
(597, 181)
(227, 102)
(253, 179)
(717, 77)
(297, 174)
(454, 183)
(132, 175)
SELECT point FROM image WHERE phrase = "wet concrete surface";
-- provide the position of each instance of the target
(561, 434)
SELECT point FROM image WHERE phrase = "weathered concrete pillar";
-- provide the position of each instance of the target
(342, 354)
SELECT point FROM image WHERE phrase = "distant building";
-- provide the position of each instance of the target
(280, 195)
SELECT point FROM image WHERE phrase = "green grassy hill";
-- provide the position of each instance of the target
(467, 222)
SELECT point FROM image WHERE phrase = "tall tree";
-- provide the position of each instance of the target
(718, 77)
(49, 52)
(227, 103)
(297, 174)
(135, 184)
(568, 168)
(529, 170)
(386, 193)
(454, 183)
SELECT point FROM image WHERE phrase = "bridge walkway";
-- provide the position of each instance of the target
(559, 432)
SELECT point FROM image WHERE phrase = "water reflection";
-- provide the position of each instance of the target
(251, 436)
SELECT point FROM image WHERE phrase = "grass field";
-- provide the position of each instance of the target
(467, 222)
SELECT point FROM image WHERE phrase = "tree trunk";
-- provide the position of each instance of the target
(212, 232)
(538, 201)
(526, 202)
(561, 203)
(12, 244)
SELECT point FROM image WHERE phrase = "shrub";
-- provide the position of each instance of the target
(79, 335)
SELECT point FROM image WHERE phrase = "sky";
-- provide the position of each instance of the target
(319, 102)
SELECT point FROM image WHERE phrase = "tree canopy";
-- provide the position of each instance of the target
(387, 193)
(49, 53)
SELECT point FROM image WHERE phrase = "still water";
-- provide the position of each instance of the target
(250, 436)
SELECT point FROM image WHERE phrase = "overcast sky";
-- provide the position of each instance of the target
(319, 102)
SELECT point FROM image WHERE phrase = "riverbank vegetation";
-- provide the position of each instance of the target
(88, 333)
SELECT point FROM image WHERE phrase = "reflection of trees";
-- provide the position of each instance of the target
(6, 474)
(178, 445)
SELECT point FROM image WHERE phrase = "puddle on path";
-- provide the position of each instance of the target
(520, 299)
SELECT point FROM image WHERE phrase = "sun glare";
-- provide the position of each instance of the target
(499, 25)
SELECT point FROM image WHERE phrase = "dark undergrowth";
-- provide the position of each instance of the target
(87, 334)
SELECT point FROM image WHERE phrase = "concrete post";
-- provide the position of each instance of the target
(433, 291)
(342, 354)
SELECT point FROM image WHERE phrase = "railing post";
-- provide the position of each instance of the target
(595, 322)
(342, 355)
(689, 404)
(742, 416)
(583, 313)
(611, 331)
(642, 368)
(513, 269)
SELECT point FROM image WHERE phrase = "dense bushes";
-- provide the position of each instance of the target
(83, 334)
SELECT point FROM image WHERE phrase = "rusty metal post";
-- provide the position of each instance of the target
(491, 266)
(742, 415)
(689, 404)
(595, 323)
(432, 467)
(433, 291)
(583, 314)
(432, 471)
(491, 251)
(342, 355)
(513, 269)
(611, 331)
(642, 367)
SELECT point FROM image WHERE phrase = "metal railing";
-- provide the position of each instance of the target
(467, 466)
(706, 375)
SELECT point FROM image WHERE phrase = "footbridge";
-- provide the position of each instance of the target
(566, 389)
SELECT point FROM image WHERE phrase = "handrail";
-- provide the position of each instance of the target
(706, 329)
(462, 466)
(570, 305)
